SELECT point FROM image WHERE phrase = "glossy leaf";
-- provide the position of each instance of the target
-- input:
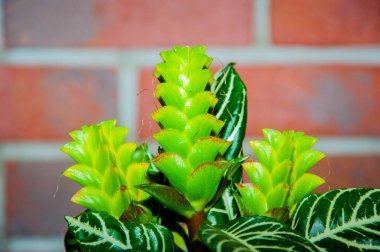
(231, 108)
(71, 244)
(232, 168)
(224, 210)
(223, 207)
(98, 231)
(340, 220)
(253, 234)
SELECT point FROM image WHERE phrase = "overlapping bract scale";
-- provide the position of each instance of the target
(108, 168)
(189, 133)
(279, 177)
(186, 68)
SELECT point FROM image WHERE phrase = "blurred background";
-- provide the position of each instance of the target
(311, 66)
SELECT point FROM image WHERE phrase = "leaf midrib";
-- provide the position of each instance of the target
(235, 238)
(347, 225)
(99, 233)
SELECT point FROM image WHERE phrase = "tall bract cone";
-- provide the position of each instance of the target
(279, 178)
(108, 168)
(189, 134)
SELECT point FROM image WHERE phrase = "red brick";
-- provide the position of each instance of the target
(101, 23)
(313, 99)
(47, 103)
(37, 198)
(349, 171)
(147, 105)
(346, 172)
(325, 22)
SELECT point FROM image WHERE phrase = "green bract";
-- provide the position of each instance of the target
(189, 133)
(279, 178)
(108, 168)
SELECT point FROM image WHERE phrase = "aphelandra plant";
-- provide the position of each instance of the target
(190, 197)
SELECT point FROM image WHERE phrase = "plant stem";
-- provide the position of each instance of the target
(194, 224)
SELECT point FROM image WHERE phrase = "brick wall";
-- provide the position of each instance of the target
(312, 66)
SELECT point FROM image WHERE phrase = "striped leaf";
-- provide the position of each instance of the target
(225, 210)
(231, 108)
(253, 234)
(98, 231)
(70, 242)
(340, 220)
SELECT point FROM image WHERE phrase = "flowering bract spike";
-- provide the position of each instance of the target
(279, 177)
(108, 168)
(189, 134)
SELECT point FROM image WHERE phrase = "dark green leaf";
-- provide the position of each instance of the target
(98, 231)
(71, 244)
(224, 207)
(231, 108)
(225, 210)
(340, 220)
(169, 197)
(253, 234)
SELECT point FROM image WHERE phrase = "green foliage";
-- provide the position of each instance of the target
(98, 231)
(169, 197)
(279, 178)
(340, 220)
(231, 109)
(193, 186)
(108, 168)
(253, 234)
